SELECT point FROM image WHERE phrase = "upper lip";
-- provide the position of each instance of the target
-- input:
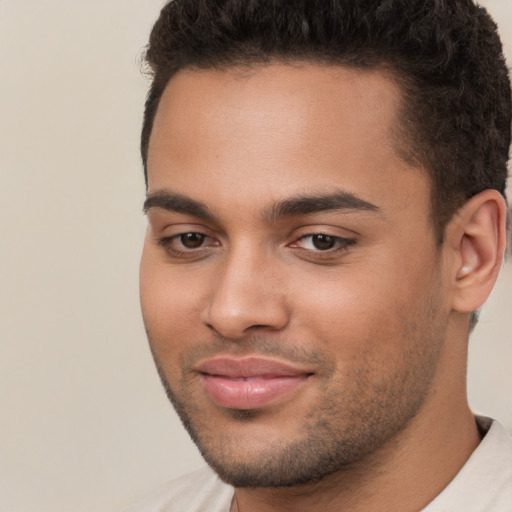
(248, 367)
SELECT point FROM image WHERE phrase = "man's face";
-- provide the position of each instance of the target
(291, 288)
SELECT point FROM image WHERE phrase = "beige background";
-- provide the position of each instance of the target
(84, 424)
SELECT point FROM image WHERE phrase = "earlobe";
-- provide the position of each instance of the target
(478, 237)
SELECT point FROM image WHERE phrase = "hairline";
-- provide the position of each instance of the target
(403, 144)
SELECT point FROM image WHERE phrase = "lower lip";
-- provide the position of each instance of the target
(250, 394)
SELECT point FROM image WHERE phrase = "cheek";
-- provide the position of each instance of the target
(170, 307)
(378, 342)
(374, 309)
(346, 323)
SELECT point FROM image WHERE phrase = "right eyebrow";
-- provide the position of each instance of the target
(177, 203)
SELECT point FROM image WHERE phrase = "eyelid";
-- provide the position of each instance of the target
(162, 221)
(172, 245)
(165, 228)
(340, 240)
(169, 239)
(327, 229)
(177, 236)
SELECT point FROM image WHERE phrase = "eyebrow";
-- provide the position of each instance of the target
(177, 203)
(309, 204)
(292, 207)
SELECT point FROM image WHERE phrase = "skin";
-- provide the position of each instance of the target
(379, 321)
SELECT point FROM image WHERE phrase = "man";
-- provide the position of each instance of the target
(325, 198)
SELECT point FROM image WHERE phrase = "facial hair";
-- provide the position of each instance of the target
(359, 412)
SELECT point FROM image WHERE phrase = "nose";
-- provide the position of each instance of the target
(247, 295)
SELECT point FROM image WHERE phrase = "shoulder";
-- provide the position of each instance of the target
(484, 484)
(200, 491)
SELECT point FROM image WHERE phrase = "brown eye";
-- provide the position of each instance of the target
(323, 242)
(192, 240)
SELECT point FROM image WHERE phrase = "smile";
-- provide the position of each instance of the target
(249, 383)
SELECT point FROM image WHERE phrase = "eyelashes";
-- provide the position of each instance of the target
(322, 242)
(195, 245)
(187, 244)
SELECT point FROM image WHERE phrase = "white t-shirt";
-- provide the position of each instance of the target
(484, 484)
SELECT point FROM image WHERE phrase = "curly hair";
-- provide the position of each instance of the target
(445, 55)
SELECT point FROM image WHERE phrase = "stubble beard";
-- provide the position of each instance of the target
(334, 436)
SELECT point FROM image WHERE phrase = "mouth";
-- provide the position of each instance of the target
(251, 382)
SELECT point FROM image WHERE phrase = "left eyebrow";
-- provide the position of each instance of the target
(308, 204)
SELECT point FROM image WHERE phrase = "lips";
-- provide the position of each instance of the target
(249, 383)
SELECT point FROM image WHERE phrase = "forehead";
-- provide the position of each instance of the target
(279, 130)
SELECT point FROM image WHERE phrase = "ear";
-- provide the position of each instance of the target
(476, 237)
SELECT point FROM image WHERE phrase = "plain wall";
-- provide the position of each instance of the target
(84, 423)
